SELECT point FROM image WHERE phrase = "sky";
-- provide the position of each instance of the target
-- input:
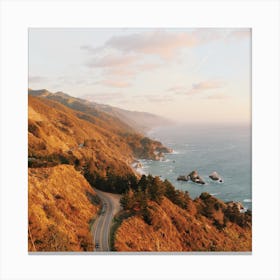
(187, 75)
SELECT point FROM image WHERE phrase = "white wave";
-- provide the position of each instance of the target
(247, 200)
(215, 193)
(174, 152)
(141, 171)
(165, 160)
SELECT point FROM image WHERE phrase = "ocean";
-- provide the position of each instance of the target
(224, 149)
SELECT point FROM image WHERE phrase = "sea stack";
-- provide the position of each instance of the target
(196, 178)
(216, 177)
(183, 178)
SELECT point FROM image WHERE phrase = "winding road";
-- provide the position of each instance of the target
(102, 225)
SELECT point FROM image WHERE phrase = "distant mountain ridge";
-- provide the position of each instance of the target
(135, 120)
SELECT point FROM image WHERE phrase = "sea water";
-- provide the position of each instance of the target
(206, 148)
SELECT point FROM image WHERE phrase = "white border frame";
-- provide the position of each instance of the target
(18, 16)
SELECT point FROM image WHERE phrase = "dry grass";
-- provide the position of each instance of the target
(175, 229)
(59, 210)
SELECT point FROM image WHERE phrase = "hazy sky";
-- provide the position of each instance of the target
(192, 75)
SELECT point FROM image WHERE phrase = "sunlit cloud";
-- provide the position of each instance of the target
(159, 99)
(240, 34)
(120, 71)
(148, 66)
(197, 88)
(158, 42)
(154, 98)
(206, 85)
(154, 70)
(217, 96)
(114, 83)
(165, 44)
(112, 61)
(176, 89)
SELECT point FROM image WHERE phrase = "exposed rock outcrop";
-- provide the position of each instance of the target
(236, 204)
(183, 178)
(193, 176)
(196, 178)
(216, 177)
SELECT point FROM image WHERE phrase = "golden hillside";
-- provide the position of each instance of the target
(68, 152)
(54, 129)
(152, 222)
(61, 204)
(58, 134)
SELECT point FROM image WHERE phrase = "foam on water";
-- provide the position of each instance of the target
(226, 150)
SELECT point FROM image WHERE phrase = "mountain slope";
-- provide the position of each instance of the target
(61, 205)
(203, 224)
(131, 120)
(58, 134)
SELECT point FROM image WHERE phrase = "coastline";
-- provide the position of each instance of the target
(183, 160)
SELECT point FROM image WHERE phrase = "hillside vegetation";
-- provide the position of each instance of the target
(61, 205)
(161, 218)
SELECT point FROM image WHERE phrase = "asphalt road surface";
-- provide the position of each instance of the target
(102, 225)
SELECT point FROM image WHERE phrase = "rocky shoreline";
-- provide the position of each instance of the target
(193, 176)
(196, 178)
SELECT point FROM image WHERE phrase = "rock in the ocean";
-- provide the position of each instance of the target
(183, 178)
(216, 177)
(196, 178)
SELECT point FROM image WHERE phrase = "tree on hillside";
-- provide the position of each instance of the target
(127, 200)
(156, 190)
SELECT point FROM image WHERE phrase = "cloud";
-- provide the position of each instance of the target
(176, 89)
(88, 48)
(120, 71)
(240, 34)
(159, 42)
(166, 44)
(158, 99)
(217, 96)
(112, 61)
(155, 98)
(207, 85)
(148, 66)
(36, 79)
(207, 35)
(114, 83)
(197, 88)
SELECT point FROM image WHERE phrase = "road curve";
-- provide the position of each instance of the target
(102, 225)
